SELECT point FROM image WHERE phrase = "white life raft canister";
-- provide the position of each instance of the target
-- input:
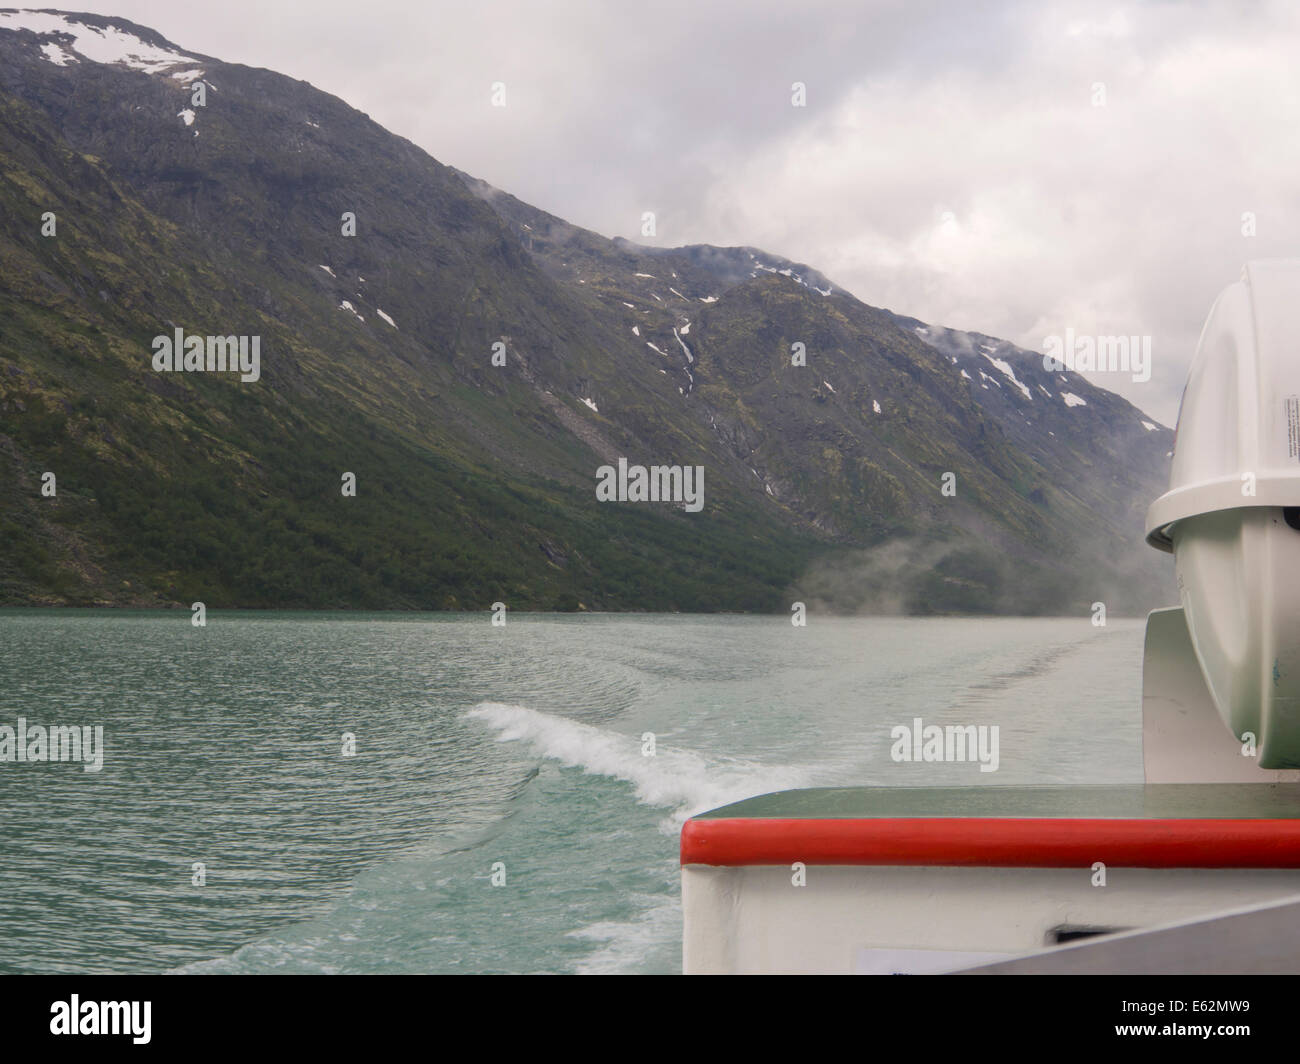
(1231, 516)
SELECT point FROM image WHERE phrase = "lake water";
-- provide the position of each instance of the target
(519, 747)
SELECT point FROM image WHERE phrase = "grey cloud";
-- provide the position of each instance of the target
(1123, 218)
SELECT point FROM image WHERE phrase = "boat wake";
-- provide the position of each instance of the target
(673, 778)
(625, 946)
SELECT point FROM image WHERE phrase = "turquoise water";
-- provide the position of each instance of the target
(475, 745)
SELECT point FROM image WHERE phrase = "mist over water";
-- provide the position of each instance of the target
(475, 745)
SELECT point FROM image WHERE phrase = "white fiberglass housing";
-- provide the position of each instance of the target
(1227, 514)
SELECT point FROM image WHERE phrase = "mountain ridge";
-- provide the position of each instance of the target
(378, 355)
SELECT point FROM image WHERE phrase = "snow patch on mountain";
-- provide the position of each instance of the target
(56, 55)
(99, 44)
(685, 350)
(786, 271)
(1005, 367)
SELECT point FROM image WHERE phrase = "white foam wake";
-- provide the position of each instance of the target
(624, 946)
(674, 778)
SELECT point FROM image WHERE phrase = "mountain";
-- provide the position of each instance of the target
(475, 482)
(1060, 471)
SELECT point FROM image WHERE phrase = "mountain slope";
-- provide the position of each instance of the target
(474, 481)
(1054, 474)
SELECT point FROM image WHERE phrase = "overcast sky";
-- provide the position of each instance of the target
(952, 161)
